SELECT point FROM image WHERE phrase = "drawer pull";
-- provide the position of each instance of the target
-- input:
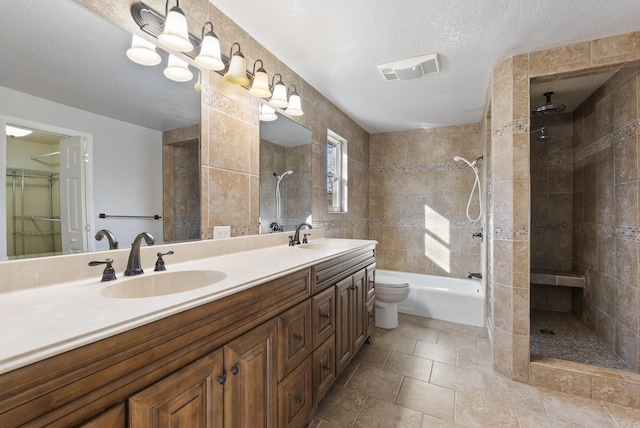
(299, 398)
(222, 379)
(299, 337)
(326, 367)
(235, 370)
(327, 316)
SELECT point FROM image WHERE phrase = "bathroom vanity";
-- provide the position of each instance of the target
(258, 348)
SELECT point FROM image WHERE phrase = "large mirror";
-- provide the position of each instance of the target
(285, 175)
(64, 72)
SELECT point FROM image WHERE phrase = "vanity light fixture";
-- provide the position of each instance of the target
(260, 87)
(279, 97)
(177, 70)
(237, 72)
(198, 85)
(210, 56)
(143, 52)
(175, 33)
(295, 105)
(12, 131)
(267, 113)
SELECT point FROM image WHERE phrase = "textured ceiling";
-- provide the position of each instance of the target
(335, 45)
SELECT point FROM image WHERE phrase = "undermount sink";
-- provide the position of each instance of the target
(322, 246)
(161, 284)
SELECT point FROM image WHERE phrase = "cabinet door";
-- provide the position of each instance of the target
(344, 348)
(251, 387)
(371, 316)
(295, 397)
(190, 397)
(294, 338)
(371, 282)
(324, 369)
(359, 320)
(323, 316)
(116, 417)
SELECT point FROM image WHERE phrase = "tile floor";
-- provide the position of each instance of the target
(431, 373)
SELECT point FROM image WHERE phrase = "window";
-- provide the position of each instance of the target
(336, 173)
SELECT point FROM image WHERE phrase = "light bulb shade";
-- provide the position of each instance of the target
(175, 34)
(209, 56)
(295, 105)
(17, 132)
(260, 87)
(267, 113)
(279, 98)
(177, 70)
(143, 52)
(237, 70)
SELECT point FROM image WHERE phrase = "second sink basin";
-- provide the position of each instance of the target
(161, 284)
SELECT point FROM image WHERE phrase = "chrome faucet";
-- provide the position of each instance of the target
(296, 237)
(133, 265)
(113, 242)
(477, 275)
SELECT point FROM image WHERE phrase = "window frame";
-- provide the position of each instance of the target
(338, 202)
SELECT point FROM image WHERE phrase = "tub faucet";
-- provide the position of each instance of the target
(113, 242)
(296, 237)
(477, 275)
(133, 265)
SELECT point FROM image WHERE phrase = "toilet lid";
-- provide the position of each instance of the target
(391, 281)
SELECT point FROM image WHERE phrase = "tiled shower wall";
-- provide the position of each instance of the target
(230, 138)
(606, 233)
(418, 199)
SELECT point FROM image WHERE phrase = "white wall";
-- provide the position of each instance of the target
(127, 164)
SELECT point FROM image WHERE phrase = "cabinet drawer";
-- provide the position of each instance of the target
(324, 368)
(371, 316)
(294, 397)
(323, 315)
(294, 337)
(371, 280)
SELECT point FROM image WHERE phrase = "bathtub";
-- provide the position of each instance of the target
(449, 299)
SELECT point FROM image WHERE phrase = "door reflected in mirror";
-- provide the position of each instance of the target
(285, 175)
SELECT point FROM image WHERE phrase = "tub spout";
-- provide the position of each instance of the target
(477, 275)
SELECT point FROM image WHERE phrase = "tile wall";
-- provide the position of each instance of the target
(418, 197)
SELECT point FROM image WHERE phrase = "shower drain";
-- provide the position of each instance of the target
(546, 331)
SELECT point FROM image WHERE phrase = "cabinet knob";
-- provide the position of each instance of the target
(299, 337)
(327, 316)
(235, 370)
(222, 379)
(327, 367)
(299, 398)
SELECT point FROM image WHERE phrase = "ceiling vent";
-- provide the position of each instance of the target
(411, 68)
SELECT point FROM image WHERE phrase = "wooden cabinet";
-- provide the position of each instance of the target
(324, 368)
(295, 397)
(250, 388)
(323, 316)
(116, 417)
(192, 396)
(294, 338)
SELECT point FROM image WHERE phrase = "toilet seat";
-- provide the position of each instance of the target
(391, 282)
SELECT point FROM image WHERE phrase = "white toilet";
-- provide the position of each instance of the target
(389, 292)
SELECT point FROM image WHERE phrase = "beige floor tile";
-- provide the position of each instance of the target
(408, 365)
(475, 411)
(626, 417)
(382, 414)
(471, 359)
(588, 412)
(516, 394)
(394, 342)
(436, 352)
(529, 419)
(458, 340)
(427, 398)
(375, 382)
(419, 332)
(372, 354)
(433, 422)
(459, 379)
(340, 406)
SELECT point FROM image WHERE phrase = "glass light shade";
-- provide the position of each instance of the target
(177, 70)
(295, 106)
(267, 113)
(209, 56)
(143, 52)
(175, 34)
(279, 98)
(17, 132)
(237, 70)
(260, 87)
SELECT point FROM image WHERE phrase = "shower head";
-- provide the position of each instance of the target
(280, 177)
(543, 135)
(549, 109)
(471, 164)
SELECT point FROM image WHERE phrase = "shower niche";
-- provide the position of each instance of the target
(285, 175)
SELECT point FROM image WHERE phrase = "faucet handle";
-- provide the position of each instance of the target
(304, 238)
(109, 273)
(291, 241)
(160, 262)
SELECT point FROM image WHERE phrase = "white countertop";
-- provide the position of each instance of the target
(46, 321)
